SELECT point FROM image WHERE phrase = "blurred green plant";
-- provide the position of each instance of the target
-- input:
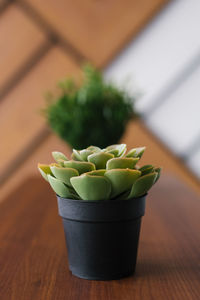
(100, 174)
(94, 112)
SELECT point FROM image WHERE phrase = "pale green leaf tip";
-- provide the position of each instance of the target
(59, 155)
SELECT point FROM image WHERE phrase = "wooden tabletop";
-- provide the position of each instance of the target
(33, 257)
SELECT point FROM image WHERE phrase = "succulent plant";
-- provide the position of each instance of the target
(100, 174)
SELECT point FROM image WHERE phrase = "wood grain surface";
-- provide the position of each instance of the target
(41, 154)
(97, 29)
(33, 258)
(20, 111)
(20, 38)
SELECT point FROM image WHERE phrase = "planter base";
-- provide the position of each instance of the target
(104, 278)
(102, 237)
(104, 250)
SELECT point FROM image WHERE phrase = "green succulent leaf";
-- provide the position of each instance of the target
(90, 187)
(121, 163)
(80, 166)
(115, 152)
(121, 179)
(44, 170)
(99, 172)
(77, 155)
(61, 162)
(60, 188)
(54, 164)
(136, 152)
(158, 171)
(94, 149)
(121, 148)
(131, 153)
(122, 196)
(142, 185)
(59, 155)
(100, 159)
(146, 169)
(73, 157)
(85, 153)
(64, 174)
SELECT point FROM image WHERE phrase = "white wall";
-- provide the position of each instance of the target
(164, 63)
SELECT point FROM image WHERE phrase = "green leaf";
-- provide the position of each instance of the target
(90, 187)
(146, 169)
(131, 153)
(122, 196)
(94, 148)
(115, 152)
(80, 166)
(73, 157)
(99, 172)
(77, 155)
(61, 162)
(100, 159)
(121, 163)
(100, 110)
(59, 155)
(85, 153)
(121, 179)
(136, 152)
(44, 170)
(60, 188)
(158, 171)
(142, 185)
(121, 148)
(64, 174)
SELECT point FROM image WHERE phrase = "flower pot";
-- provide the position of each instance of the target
(102, 236)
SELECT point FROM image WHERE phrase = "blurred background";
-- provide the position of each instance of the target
(151, 46)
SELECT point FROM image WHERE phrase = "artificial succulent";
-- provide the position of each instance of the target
(100, 174)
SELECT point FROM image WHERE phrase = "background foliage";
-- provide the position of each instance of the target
(93, 113)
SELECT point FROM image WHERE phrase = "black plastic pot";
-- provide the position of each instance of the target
(102, 236)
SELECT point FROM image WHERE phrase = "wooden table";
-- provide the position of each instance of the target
(33, 258)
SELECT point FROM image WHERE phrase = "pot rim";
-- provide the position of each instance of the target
(101, 210)
(100, 201)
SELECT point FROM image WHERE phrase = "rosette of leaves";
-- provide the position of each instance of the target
(100, 174)
(93, 112)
